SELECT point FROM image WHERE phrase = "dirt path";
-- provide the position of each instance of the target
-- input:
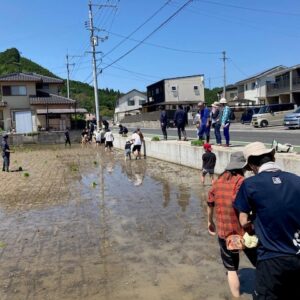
(87, 225)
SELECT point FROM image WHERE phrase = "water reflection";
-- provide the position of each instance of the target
(166, 193)
(183, 197)
(135, 171)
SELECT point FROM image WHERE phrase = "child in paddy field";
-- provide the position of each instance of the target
(128, 149)
(208, 163)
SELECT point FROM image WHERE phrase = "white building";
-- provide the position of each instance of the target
(171, 92)
(254, 88)
(129, 104)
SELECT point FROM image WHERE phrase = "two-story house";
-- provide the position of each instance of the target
(285, 88)
(171, 92)
(129, 104)
(31, 102)
(254, 88)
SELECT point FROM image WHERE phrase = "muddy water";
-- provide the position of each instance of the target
(86, 224)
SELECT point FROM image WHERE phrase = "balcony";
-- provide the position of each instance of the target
(296, 82)
(276, 88)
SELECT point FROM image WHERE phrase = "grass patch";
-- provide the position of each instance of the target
(26, 174)
(95, 163)
(155, 138)
(74, 168)
(197, 143)
(94, 184)
(2, 245)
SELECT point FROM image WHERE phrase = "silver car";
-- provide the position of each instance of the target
(292, 120)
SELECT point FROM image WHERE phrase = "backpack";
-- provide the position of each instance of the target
(231, 115)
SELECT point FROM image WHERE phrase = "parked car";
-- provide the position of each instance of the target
(248, 114)
(292, 120)
(272, 114)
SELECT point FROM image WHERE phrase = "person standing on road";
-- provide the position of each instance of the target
(272, 195)
(220, 200)
(180, 119)
(216, 122)
(5, 153)
(163, 121)
(225, 120)
(205, 121)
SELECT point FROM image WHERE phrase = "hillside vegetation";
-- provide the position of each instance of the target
(11, 61)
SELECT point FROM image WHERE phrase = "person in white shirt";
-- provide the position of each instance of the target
(98, 137)
(109, 138)
(137, 143)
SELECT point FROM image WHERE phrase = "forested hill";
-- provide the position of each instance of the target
(11, 61)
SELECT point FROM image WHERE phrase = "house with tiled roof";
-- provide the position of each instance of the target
(30, 102)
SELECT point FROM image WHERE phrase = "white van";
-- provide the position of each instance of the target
(272, 114)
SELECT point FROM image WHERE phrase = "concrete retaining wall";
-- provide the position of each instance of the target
(43, 138)
(183, 153)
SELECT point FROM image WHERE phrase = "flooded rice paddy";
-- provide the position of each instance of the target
(81, 223)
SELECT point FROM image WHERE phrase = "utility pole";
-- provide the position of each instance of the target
(68, 75)
(94, 42)
(224, 58)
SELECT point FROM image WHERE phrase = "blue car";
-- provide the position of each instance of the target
(292, 120)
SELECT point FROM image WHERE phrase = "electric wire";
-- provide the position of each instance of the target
(138, 28)
(149, 35)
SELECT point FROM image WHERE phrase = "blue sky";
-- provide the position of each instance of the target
(255, 34)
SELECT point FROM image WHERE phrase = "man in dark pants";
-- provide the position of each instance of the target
(67, 137)
(180, 120)
(271, 199)
(163, 121)
(5, 153)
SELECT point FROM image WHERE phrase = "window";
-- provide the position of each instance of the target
(130, 102)
(246, 87)
(141, 102)
(196, 88)
(253, 85)
(14, 90)
(157, 91)
(174, 89)
(42, 86)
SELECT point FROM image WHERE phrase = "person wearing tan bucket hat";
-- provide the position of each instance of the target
(220, 200)
(269, 201)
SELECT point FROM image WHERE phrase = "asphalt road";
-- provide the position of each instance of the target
(242, 134)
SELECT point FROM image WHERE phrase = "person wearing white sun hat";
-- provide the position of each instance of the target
(225, 119)
(270, 201)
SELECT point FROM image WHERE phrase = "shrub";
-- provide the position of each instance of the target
(155, 138)
(198, 143)
(26, 174)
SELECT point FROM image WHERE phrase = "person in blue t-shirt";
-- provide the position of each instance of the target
(205, 121)
(270, 200)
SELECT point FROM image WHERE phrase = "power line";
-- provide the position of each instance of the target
(149, 35)
(166, 47)
(237, 67)
(251, 9)
(138, 28)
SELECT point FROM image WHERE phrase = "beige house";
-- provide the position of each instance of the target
(30, 102)
(171, 92)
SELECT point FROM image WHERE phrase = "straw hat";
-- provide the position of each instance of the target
(256, 149)
(215, 104)
(237, 161)
(223, 101)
